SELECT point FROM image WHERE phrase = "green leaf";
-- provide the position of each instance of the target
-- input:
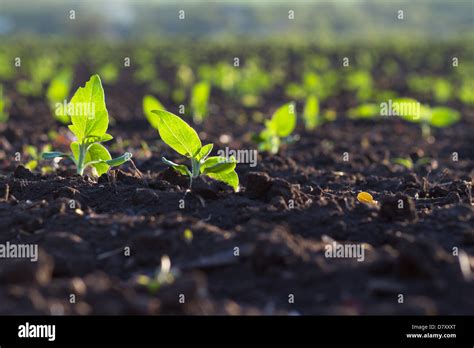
(199, 100)
(180, 168)
(364, 111)
(443, 117)
(204, 152)
(230, 178)
(407, 109)
(311, 112)
(98, 153)
(60, 86)
(406, 162)
(53, 155)
(178, 134)
(283, 121)
(218, 164)
(106, 137)
(88, 112)
(150, 103)
(31, 165)
(117, 161)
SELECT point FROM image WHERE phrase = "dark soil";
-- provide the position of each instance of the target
(289, 207)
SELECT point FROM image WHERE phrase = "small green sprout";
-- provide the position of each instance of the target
(409, 164)
(188, 235)
(427, 117)
(178, 135)
(366, 111)
(109, 72)
(89, 123)
(280, 126)
(4, 103)
(199, 100)
(311, 113)
(150, 103)
(58, 91)
(35, 156)
(164, 276)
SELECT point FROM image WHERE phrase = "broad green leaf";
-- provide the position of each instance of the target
(204, 152)
(150, 103)
(88, 112)
(98, 153)
(230, 178)
(283, 121)
(178, 134)
(218, 164)
(199, 100)
(443, 117)
(180, 168)
(311, 112)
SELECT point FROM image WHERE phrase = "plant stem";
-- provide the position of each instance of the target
(425, 130)
(81, 159)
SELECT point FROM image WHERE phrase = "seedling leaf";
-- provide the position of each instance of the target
(180, 168)
(311, 112)
(217, 164)
(283, 120)
(150, 103)
(93, 121)
(230, 178)
(443, 117)
(177, 134)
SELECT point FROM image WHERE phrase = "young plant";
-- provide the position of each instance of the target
(35, 156)
(439, 116)
(409, 164)
(199, 100)
(150, 103)
(311, 113)
(178, 135)
(280, 126)
(89, 123)
(58, 91)
(366, 111)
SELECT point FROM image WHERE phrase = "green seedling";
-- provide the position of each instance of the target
(58, 91)
(149, 104)
(280, 126)
(311, 113)
(89, 123)
(35, 156)
(409, 164)
(109, 72)
(364, 112)
(4, 103)
(162, 277)
(178, 135)
(427, 117)
(199, 100)
(361, 83)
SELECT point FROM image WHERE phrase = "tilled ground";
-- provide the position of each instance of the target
(289, 208)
